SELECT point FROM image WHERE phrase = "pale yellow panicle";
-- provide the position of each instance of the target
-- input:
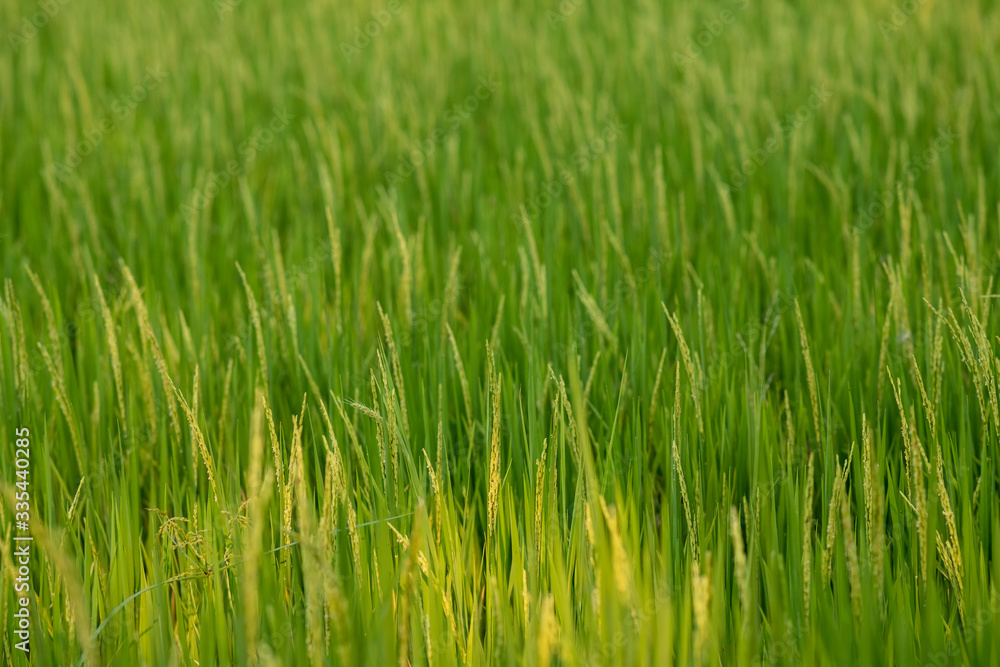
(548, 632)
(492, 505)
(701, 599)
(874, 503)
(739, 559)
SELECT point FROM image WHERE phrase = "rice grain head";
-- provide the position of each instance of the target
(810, 374)
(739, 559)
(701, 598)
(874, 503)
(496, 382)
(693, 378)
(807, 538)
(594, 311)
(464, 382)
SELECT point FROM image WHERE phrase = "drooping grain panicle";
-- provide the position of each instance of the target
(950, 549)
(199, 440)
(915, 459)
(161, 364)
(379, 435)
(539, 501)
(391, 424)
(810, 374)
(65, 406)
(539, 270)
(986, 362)
(693, 377)
(563, 397)
(435, 491)
(464, 382)
(397, 370)
(50, 321)
(692, 526)
(276, 453)
(451, 292)
(928, 408)
(831, 525)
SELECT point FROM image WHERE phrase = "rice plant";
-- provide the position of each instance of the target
(563, 334)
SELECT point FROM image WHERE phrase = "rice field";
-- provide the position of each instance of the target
(569, 333)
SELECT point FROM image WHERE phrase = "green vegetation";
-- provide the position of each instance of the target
(457, 333)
